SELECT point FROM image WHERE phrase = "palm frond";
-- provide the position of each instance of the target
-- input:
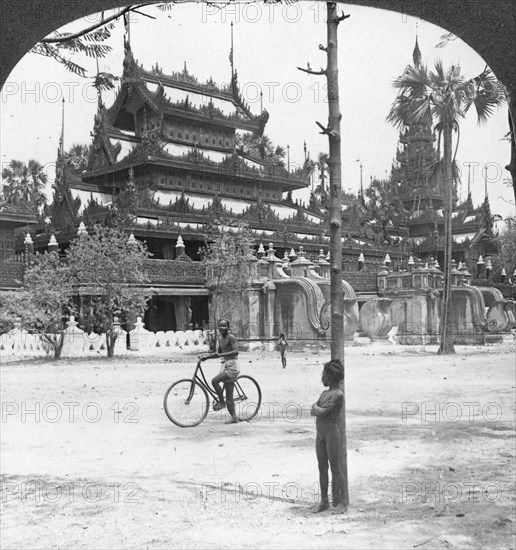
(410, 110)
(485, 93)
(413, 82)
(422, 109)
(439, 76)
(280, 151)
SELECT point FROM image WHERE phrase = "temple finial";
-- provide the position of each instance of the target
(231, 53)
(416, 55)
(61, 139)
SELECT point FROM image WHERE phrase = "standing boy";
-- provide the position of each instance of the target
(229, 371)
(327, 445)
(282, 345)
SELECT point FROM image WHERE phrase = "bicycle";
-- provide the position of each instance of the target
(187, 401)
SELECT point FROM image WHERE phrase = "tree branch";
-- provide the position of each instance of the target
(323, 48)
(309, 71)
(341, 18)
(328, 131)
(82, 32)
(88, 29)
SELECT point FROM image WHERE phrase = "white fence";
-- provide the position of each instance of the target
(77, 343)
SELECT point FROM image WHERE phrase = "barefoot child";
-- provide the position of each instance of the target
(282, 345)
(229, 371)
(327, 444)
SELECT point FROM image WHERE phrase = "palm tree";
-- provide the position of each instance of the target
(25, 182)
(258, 145)
(261, 146)
(444, 97)
(277, 158)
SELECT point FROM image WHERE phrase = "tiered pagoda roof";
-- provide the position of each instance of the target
(164, 160)
(177, 122)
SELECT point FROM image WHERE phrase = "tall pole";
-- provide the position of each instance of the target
(361, 183)
(361, 192)
(469, 177)
(61, 140)
(334, 163)
(335, 213)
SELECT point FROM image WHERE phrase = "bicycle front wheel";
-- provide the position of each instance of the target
(247, 396)
(186, 403)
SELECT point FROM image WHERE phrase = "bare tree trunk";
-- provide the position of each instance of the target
(56, 343)
(446, 345)
(111, 337)
(58, 346)
(334, 163)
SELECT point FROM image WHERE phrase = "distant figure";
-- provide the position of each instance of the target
(282, 346)
(327, 444)
(229, 371)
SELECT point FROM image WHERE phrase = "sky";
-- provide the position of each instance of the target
(270, 42)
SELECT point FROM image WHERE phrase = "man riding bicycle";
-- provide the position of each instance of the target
(229, 371)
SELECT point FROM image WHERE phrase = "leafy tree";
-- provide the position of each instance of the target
(226, 259)
(383, 202)
(113, 267)
(45, 300)
(90, 41)
(61, 45)
(444, 96)
(507, 257)
(25, 182)
(76, 158)
(321, 190)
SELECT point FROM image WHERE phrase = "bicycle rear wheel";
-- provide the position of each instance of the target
(247, 396)
(186, 403)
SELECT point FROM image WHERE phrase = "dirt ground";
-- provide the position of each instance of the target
(97, 464)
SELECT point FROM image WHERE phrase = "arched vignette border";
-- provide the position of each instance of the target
(488, 26)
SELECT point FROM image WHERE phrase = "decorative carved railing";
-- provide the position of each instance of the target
(361, 281)
(508, 290)
(158, 271)
(173, 271)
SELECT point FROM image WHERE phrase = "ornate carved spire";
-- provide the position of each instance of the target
(416, 55)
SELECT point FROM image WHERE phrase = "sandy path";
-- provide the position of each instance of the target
(130, 479)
